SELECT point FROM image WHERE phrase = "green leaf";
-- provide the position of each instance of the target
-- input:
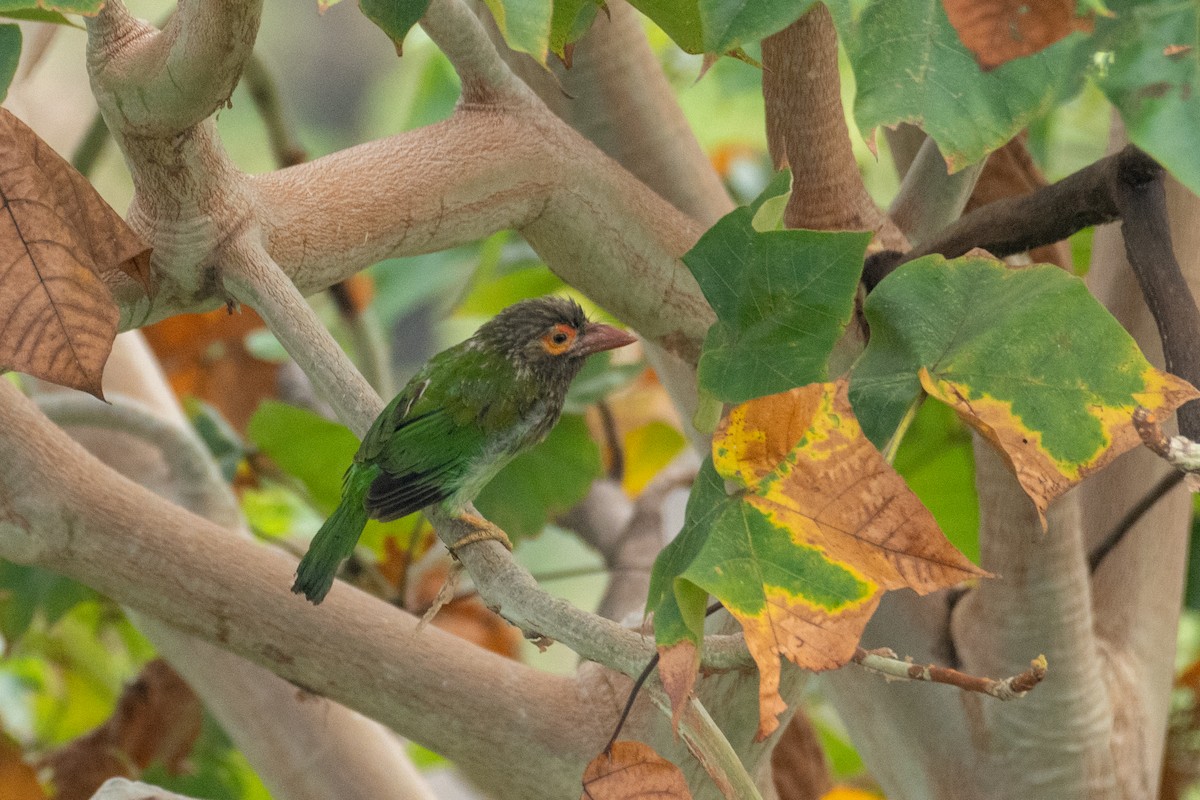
(40, 15)
(1026, 356)
(222, 441)
(394, 17)
(316, 452)
(782, 299)
(88, 8)
(1146, 60)
(543, 482)
(30, 592)
(570, 20)
(937, 462)
(306, 446)
(910, 66)
(525, 24)
(719, 26)
(10, 54)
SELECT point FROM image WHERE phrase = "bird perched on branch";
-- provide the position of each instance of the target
(461, 418)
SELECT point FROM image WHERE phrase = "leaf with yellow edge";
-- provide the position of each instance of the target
(1027, 357)
(797, 525)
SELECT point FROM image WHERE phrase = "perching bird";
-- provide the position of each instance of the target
(461, 418)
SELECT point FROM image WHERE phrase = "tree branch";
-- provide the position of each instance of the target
(806, 129)
(164, 82)
(149, 554)
(930, 198)
(885, 662)
(486, 79)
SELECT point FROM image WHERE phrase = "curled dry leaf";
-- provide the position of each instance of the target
(157, 719)
(677, 669)
(62, 244)
(632, 770)
(997, 31)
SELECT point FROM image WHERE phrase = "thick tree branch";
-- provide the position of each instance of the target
(806, 130)
(617, 96)
(164, 82)
(1058, 736)
(133, 546)
(330, 751)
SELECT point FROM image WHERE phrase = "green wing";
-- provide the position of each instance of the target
(424, 443)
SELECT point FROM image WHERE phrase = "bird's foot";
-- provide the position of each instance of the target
(480, 531)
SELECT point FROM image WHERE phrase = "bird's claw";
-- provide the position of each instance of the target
(481, 531)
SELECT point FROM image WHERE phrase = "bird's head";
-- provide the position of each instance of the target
(550, 337)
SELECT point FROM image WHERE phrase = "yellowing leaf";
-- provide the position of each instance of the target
(632, 770)
(59, 240)
(798, 525)
(1042, 475)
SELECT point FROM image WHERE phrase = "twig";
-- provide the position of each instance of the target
(458, 33)
(1117, 534)
(885, 662)
(91, 146)
(285, 145)
(633, 693)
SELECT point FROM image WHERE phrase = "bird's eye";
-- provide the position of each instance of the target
(558, 340)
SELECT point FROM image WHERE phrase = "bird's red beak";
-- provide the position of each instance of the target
(599, 337)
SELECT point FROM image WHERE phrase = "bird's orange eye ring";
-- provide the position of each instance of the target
(559, 339)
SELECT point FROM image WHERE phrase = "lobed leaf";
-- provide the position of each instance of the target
(910, 66)
(797, 525)
(721, 26)
(782, 299)
(1146, 59)
(1027, 357)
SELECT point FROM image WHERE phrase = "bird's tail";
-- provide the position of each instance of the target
(334, 542)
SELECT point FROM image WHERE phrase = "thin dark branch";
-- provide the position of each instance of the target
(1160, 489)
(1017, 224)
(263, 93)
(1141, 199)
(641, 681)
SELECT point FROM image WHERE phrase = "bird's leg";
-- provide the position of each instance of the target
(479, 530)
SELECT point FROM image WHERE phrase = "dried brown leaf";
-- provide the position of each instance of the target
(677, 668)
(61, 243)
(157, 719)
(997, 31)
(205, 356)
(632, 770)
